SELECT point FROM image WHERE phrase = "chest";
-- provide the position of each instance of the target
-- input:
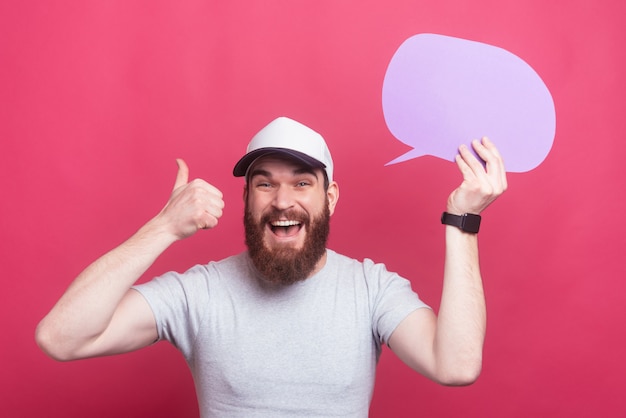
(315, 346)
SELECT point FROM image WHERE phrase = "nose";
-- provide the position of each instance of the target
(283, 198)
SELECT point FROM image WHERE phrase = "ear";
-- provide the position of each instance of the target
(245, 192)
(333, 196)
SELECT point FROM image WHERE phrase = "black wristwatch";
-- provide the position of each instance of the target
(468, 222)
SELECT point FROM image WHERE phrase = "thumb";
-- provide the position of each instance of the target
(183, 173)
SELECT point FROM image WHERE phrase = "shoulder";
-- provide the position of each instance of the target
(367, 266)
(237, 263)
(233, 264)
(372, 276)
(200, 274)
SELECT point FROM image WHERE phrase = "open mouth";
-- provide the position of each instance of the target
(285, 228)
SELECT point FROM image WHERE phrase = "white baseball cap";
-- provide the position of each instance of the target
(286, 136)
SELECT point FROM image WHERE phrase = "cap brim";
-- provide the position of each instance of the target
(242, 166)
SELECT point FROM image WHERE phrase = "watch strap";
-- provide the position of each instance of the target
(468, 222)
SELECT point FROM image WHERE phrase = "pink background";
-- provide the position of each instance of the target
(97, 99)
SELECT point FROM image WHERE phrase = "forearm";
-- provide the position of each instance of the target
(88, 305)
(461, 321)
(448, 347)
(98, 315)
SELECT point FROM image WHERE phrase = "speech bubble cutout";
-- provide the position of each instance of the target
(440, 91)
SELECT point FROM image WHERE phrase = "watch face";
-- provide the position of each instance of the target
(471, 223)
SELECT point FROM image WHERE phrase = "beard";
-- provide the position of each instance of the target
(286, 265)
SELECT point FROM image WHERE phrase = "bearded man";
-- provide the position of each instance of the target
(288, 327)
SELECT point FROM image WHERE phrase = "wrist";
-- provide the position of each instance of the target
(160, 230)
(466, 222)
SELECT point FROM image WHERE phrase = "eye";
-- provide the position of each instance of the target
(263, 185)
(303, 183)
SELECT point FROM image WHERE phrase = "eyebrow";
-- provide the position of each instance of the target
(297, 171)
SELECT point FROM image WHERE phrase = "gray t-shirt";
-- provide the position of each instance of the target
(259, 350)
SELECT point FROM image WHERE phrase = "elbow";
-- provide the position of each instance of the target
(460, 379)
(463, 375)
(50, 344)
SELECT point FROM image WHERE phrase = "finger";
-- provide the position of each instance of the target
(488, 143)
(471, 161)
(497, 162)
(209, 221)
(210, 190)
(214, 191)
(182, 177)
(483, 151)
(493, 167)
(465, 169)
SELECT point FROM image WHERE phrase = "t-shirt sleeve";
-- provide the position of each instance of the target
(392, 299)
(172, 297)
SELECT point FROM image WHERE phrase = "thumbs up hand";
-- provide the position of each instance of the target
(192, 205)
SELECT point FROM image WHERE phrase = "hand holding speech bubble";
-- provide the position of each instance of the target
(440, 91)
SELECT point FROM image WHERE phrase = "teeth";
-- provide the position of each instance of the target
(285, 223)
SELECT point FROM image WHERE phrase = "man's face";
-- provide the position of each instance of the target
(287, 218)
